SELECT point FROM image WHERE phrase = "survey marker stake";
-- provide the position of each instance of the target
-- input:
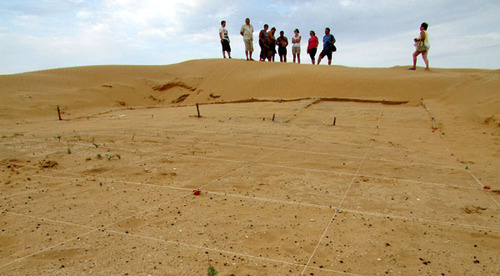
(273, 117)
(59, 113)
(334, 120)
(198, 110)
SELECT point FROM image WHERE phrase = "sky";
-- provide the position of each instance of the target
(46, 34)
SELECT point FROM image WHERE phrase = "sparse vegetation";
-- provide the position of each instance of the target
(109, 157)
(44, 164)
(113, 156)
(211, 271)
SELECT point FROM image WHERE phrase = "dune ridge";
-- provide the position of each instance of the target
(79, 90)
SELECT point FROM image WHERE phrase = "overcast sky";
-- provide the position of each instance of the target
(43, 34)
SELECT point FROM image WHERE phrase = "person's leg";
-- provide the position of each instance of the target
(247, 48)
(228, 49)
(322, 54)
(298, 56)
(424, 55)
(294, 57)
(415, 60)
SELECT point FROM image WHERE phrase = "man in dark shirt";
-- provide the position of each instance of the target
(264, 43)
(282, 43)
(328, 47)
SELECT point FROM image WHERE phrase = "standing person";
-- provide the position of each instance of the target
(296, 46)
(247, 33)
(224, 39)
(328, 46)
(264, 43)
(312, 46)
(272, 44)
(423, 46)
(282, 43)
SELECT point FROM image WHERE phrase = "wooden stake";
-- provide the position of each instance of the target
(59, 113)
(198, 110)
(334, 120)
(273, 117)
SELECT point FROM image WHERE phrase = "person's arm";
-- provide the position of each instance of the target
(421, 38)
(241, 31)
(300, 38)
(286, 41)
(220, 35)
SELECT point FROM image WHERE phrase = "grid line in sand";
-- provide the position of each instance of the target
(130, 235)
(431, 114)
(251, 164)
(342, 201)
(287, 202)
(144, 211)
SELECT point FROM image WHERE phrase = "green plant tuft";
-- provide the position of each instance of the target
(211, 271)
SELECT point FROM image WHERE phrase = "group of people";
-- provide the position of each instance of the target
(268, 43)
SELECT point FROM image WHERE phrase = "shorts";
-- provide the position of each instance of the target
(248, 45)
(422, 48)
(312, 52)
(270, 53)
(326, 52)
(225, 45)
(295, 50)
(282, 51)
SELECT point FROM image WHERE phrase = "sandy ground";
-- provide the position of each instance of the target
(390, 189)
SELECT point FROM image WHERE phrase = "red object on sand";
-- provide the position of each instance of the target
(196, 192)
(486, 187)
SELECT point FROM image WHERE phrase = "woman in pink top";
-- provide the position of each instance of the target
(312, 47)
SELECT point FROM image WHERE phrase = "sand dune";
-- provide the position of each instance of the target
(395, 186)
(474, 93)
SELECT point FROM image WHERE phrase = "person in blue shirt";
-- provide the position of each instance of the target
(328, 47)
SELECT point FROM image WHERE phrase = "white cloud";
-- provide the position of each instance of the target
(369, 33)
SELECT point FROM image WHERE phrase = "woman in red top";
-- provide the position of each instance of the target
(312, 47)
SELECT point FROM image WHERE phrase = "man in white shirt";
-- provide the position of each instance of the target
(247, 33)
(224, 40)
